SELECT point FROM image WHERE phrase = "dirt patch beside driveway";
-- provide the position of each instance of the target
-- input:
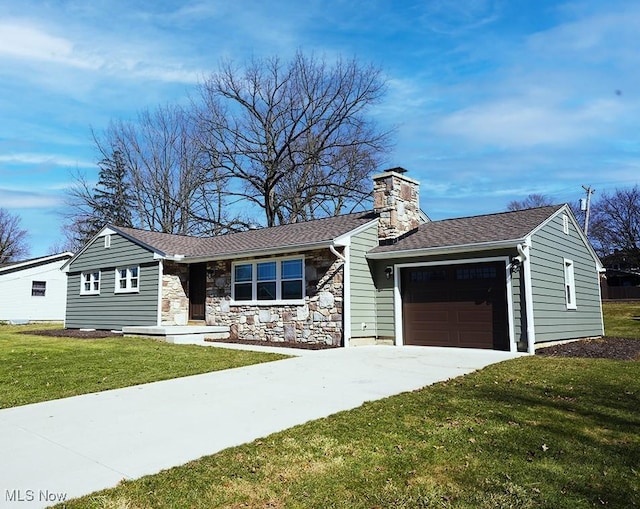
(623, 349)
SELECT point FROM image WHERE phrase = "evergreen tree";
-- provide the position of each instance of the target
(112, 197)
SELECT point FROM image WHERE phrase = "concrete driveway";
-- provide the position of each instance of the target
(74, 446)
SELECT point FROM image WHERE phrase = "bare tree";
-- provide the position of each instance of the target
(13, 239)
(81, 219)
(531, 201)
(294, 138)
(615, 223)
(176, 186)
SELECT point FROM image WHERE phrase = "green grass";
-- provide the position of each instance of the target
(535, 432)
(622, 319)
(528, 433)
(39, 368)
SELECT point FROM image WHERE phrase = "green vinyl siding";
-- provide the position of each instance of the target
(122, 252)
(385, 320)
(110, 310)
(363, 291)
(553, 321)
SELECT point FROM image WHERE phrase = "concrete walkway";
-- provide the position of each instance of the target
(74, 446)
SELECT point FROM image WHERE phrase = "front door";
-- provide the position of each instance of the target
(197, 290)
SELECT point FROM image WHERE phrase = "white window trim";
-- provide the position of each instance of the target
(570, 284)
(128, 288)
(92, 280)
(254, 283)
(107, 240)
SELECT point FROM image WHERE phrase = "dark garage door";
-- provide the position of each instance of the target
(455, 305)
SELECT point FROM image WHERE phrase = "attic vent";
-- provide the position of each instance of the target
(107, 240)
(565, 224)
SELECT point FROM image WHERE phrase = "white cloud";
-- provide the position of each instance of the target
(24, 42)
(15, 198)
(31, 158)
(28, 42)
(607, 36)
(521, 123)
(453, 17)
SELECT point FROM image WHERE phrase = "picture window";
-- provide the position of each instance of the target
(269, 281)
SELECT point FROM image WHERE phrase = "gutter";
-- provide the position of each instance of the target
(432, 251)
(250, 254)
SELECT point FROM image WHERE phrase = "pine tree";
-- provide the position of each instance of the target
(112, 197)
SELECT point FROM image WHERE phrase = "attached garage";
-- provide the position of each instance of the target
(460, 305)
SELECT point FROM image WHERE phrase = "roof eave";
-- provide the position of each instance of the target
(440, 250)
(253, 253)
(158, 253)
(42, 260)
(344, 238)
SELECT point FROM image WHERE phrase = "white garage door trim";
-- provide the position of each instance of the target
(397, 294)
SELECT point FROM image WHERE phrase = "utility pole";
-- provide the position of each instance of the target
(588, 208)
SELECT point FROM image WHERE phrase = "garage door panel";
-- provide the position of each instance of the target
(464, 306)
(434, 338)
(474, 339)
(478, 315)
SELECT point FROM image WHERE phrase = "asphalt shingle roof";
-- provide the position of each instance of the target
(292, 236)
(444, 233)
(463, 231)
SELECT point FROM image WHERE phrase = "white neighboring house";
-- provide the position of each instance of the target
(34, 290)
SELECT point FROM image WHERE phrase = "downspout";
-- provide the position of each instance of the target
(337, 254)
(528, 293)
(346, 292)
(160, 275)
(598, 272)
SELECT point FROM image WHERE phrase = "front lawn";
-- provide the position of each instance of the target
(38, 368)
(527, 433)
(622, 319)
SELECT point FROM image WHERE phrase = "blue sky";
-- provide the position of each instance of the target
(492, 99)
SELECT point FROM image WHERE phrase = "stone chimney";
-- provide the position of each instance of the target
(396, 198)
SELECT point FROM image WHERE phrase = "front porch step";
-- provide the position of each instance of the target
(180, 334)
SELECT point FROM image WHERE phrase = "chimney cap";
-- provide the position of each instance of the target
(398, 171)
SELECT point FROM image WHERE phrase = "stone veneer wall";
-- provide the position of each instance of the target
(318, 320)
(175, 297)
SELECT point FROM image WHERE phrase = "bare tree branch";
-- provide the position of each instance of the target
(294, 137)
(13, 239)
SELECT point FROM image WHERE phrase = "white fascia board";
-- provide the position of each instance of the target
(434, 251)
(35, 261)
(106, 231)
(143, 245)
(65, 267)
(345, 238)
